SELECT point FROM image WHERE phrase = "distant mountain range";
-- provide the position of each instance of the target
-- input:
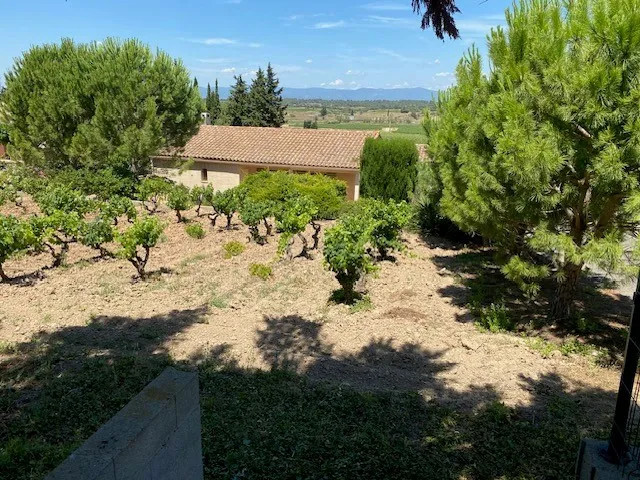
(360, 94)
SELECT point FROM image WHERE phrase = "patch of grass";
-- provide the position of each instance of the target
(217, 301)
(189, 261)
(600, 356)
(7, 347)
(233, 249)
(260, 270)
(493, 318)
(543, 347)
(195, 230)
(363, 304)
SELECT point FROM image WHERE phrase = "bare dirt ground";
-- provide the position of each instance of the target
(415, 337)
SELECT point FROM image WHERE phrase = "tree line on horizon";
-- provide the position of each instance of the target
(257, 105)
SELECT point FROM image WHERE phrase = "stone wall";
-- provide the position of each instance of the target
(156, 436)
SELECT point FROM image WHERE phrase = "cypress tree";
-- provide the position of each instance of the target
(215, 104)
(276, 108)
(208, 100)
(237, 110)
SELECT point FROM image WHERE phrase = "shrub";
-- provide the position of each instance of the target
(179, 199)
(254, 213)
(387, 221)
(327, 193)
(388, 169)
(59, 198)
(494, 318)
(104, 183)
(292, 219)
(152, 190)
(195, 230)
(260, 270)
(233, 249)
(202, 196)
(96, 233)
(117, 207)
(345, 252)
(15, 236)
(225, 203)
(138, 240)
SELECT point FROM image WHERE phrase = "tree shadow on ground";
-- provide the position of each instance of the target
(601, 317)
(317, 414)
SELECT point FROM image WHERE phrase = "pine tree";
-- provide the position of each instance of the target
(237, 112)
(277, 109)
(542, 157)
(260, 102)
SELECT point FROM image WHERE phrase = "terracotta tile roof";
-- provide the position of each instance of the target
(276, 146)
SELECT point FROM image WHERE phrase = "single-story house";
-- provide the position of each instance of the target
(222, 156)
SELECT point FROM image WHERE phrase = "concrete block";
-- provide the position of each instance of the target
(593, 466)
(158, 431)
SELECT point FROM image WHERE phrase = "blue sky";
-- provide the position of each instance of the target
(333, 43)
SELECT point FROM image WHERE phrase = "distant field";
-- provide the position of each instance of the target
(413, 132)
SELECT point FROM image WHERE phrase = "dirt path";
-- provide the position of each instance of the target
(414, 337)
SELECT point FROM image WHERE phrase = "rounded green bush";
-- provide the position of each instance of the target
(195, 230)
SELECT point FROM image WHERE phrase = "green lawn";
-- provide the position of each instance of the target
(55, 392)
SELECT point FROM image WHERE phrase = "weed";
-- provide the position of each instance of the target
(543, 347)
(494, 318)
(217, 301)
(195, 230)
(260, 270)
(363, 304)
(233, 249)
(187, 262)
(7, 347)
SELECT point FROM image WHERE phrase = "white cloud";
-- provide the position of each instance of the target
(322, 84)
(397, 56)
(337, 82)
(228, 70)
(353, 72)
(308, 61)
(380, 6)
(219, 41)
(444, 74)
(327, 25)
(390, 21)
(437, 61)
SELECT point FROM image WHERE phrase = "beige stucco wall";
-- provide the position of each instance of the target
(221, 175)
(228, 175)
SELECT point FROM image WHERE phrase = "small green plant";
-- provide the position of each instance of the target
(494, 318)
(225, 203)
(292, 219)
(363, 304)
(543, 347)
(117, 207)
(195, 230)
(233, 249)
(178, 200)
(202, 196)
(138, 240)
(15, 236)
(260, 270)
(96, 233)
(216, 301)
(7, 347)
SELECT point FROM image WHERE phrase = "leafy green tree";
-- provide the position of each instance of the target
(179, 199)
(260, 102)
(152, 190)
(137, 241)
(238, 106)
(542, 156)
(388, 169)
(277, 108)
(15, 236)
(202, 196)
(225, 203)
(108, 105)
(323, 111)
(345, 252)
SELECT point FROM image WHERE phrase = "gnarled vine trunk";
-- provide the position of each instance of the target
(316, 234)
(3, 276)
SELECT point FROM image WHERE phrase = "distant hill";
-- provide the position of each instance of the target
(360, 94)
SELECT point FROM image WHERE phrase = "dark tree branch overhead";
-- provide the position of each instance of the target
(438, 14)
